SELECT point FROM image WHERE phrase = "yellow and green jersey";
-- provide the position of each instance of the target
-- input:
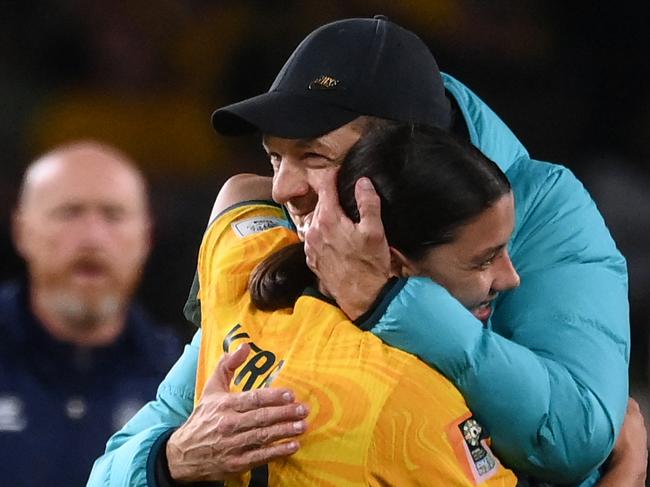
(378, 416)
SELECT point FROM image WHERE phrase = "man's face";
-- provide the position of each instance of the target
(299, 167)
(83, 229)
(476, 266)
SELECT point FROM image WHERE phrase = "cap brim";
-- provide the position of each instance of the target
(281, 114)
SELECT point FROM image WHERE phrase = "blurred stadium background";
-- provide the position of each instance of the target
(571, 79)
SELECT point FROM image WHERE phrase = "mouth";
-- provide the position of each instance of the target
(483, 311)
(90, 271)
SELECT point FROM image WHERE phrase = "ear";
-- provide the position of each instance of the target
(400, 265)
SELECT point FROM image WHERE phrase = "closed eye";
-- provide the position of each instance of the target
(486, 263)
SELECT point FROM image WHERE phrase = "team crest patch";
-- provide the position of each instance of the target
(471, 445)
(243, 228)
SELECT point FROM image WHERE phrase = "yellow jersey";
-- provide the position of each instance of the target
(378, 416)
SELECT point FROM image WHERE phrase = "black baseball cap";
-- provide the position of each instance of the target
(348, 68)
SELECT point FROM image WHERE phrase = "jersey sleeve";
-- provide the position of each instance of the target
(550, 379)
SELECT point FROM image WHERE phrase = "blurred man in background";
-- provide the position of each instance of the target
(77, 359)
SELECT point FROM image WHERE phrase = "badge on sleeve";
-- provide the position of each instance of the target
(471, 445)
(243, 228)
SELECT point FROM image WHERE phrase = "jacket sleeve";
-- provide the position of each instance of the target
(127, 460)
(549, 380)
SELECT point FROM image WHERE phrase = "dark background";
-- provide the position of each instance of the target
(570, 78)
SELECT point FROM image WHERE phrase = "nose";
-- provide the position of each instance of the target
(93, 229)
(289, 182)
(506, 276)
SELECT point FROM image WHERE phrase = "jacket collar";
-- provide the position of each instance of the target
(486, 130)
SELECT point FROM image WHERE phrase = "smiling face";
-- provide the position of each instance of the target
(299, 167)
(475, 266)
(82, 226)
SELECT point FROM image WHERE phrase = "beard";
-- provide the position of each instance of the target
(81, 311)
(86, 293)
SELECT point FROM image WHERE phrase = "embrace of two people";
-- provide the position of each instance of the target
(402, 213)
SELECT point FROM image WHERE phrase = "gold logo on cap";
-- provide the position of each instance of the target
(323, 83)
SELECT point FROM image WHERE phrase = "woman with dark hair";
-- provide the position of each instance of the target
(377, 415)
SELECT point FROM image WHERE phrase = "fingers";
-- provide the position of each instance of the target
(262, 436)
(210, 451)
(249, 459)
(259, 398)
(271, 452)
(370, 224)
(325, 221)
(255, 429)
(256, 447)
(222, 376)
(328, 207)
(369, 204)
(270, 416)
(256, 437)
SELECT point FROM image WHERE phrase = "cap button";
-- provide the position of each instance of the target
(380, 17)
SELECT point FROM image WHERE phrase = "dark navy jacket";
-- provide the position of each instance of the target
(59, 402)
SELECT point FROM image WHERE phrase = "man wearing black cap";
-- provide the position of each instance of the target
(552, 409)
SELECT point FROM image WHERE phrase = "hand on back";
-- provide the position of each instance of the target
(230, 433)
